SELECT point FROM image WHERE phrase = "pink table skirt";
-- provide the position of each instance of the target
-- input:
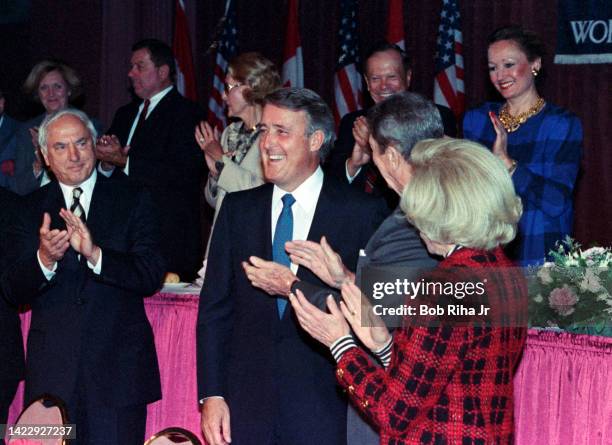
(563, 390)
(563, 387)
(173, 319)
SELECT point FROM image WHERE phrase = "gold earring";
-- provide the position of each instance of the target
(534, 72)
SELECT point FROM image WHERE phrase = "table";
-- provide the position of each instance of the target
(173, 319)
(563, 386)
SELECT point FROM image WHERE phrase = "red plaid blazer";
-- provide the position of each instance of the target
(447, 384)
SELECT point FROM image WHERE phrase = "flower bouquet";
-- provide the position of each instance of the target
(572, 290)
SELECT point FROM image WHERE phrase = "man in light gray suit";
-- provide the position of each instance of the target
(396, 125)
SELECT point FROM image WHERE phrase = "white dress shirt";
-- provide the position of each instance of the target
(153, 101)
(306, 198)
(85, 200)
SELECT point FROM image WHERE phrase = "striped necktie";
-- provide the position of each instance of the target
(76, 208)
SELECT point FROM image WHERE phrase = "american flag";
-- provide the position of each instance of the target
(181, 46)
(395, 23)
(347, 80)
(226, 49)
(293, 65)
(448, 84)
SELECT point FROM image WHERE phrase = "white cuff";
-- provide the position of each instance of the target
(48, 273)
(350, 178)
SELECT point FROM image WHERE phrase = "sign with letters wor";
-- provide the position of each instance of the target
(584, 32)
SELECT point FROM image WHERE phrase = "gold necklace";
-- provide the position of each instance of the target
(512, 123)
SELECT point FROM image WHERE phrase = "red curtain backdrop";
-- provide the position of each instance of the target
(95, 38)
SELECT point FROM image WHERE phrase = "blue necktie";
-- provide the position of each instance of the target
(282, 234)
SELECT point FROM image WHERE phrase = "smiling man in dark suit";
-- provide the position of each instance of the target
(255, 363)
(151, 140)
(387, 71)
(90, 342)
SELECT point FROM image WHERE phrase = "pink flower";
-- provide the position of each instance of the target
(563, 300)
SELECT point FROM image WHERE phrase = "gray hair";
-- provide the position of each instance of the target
(319, 115)
(43, 130)
(404, 119)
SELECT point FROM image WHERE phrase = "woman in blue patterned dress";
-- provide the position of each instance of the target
(540, 143)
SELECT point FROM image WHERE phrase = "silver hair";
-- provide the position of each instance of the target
(403, 120)
(43, 130)
(317, 111)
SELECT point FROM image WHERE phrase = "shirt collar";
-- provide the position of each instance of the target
(87, 186)
(154, 100)
(306, 194)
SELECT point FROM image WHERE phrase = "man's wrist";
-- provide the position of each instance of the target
(351, 168)
(94, 256)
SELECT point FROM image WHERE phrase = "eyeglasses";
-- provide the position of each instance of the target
(229, 87)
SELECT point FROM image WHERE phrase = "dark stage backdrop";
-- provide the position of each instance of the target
(95, 36)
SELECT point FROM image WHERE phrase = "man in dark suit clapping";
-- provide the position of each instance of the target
(151, 140)
(83, 253)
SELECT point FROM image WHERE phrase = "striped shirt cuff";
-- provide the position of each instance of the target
(384, 353)
(340, 346)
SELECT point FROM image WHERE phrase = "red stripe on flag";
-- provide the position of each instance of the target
(448, 91)
(181, 46)
(347, 90)
(395, 21)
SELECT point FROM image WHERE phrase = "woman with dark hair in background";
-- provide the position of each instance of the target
(54, 85)
(233, 160)
(539, 143)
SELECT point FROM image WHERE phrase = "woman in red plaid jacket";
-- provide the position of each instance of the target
(448, 378)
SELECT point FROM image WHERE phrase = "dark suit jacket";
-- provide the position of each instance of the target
(394, 247)
(270, 370)
(336, 162)
(11, 343)
(165, 157)
(86, 327)
(8, 132)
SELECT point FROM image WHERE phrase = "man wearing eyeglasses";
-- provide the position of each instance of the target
(151, 140)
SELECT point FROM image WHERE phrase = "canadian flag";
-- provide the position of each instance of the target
(293, 65)
(395, 23)
(181, 46)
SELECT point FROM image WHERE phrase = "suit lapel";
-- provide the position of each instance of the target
(324, 208)
(265, 222)
(100, 209)
(157, 118)
(52, 204)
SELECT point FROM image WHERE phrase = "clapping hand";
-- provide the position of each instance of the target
(110, 152)
(500, 146)
(271, 277)
(368, 326)
(208, 140)
(323, 327)
(321, 260)
(53, 243)
(80, 237)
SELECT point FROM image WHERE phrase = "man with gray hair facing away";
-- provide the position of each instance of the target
(83, 253)
(395, 125)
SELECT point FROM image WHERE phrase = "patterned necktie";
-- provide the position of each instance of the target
(282, 234)
(371, 178)
(76, 208)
